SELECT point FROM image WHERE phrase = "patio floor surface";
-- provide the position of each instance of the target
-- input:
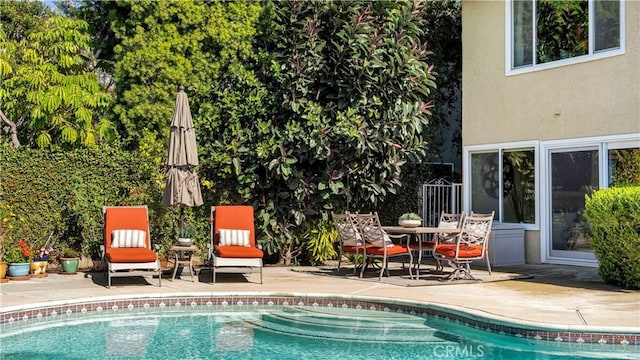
(547, 294)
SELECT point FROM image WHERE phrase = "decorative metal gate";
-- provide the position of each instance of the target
(440, 195)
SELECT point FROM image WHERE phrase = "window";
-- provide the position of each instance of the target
(624, 166)
(504, 181)
(571, 169)
(549, 31)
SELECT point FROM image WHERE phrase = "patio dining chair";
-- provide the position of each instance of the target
(471, 244)
(381, 244)
(447, 221)
(351, 241)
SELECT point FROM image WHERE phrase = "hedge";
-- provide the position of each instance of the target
(613, 215)
(63, 192)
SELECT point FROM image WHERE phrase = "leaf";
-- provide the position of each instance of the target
(44, 139)
(236, 165)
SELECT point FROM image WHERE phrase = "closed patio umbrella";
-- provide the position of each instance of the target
(182, 188)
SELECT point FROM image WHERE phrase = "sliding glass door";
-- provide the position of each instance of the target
(573, 173)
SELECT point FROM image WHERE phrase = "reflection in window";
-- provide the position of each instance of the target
(607, 25)
(544, 31)
(574, 174)
(484, 182)
(624, 167)
(517, 183)
(522, 33)
(562, 30)
(518, 173)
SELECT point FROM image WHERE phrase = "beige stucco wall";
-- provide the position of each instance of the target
(600, 97)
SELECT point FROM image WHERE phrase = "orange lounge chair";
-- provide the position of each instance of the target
(233, 246)
(127, 243)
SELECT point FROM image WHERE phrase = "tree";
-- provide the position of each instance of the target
(49, 93)
(350, 85)
(162, 45)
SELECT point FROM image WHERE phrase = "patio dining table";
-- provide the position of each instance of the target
(416, 232)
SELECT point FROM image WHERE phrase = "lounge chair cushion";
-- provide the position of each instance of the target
(466, 251)
(130, 255)
(128, 238)
(238, 252)
(234, 237)
(234, 217)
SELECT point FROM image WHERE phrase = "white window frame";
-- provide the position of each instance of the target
(593, 55)
(603, 144)
(500, 148)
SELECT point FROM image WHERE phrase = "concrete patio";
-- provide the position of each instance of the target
(547, 294)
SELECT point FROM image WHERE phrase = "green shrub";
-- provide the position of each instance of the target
(320, 239)
(613, 215)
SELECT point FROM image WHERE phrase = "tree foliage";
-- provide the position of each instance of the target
(301, 107)
(161, 45)
(49, 94)
(350, 84)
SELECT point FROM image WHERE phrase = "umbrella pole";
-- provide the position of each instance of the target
(181, 217)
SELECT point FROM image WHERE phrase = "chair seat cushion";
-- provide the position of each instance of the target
(391, 251)
(238, 252)
(466, 251)
(130, 255)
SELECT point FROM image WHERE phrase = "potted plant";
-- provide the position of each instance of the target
(163, 253)
(410, 220)
(185, 236)
(18, 258)
(41, 260)
(69, 259)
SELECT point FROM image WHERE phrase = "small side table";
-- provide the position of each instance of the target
(183, 255)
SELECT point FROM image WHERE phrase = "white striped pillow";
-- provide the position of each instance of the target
(234, 237)
(128, 239)
(350, 236)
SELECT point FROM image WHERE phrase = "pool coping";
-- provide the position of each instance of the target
(477, 319)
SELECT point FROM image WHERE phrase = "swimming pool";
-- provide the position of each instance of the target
(243, 327)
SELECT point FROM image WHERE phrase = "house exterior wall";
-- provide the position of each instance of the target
(581, 100)
(600, 97)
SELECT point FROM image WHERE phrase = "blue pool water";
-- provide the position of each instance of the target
(283, 333)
